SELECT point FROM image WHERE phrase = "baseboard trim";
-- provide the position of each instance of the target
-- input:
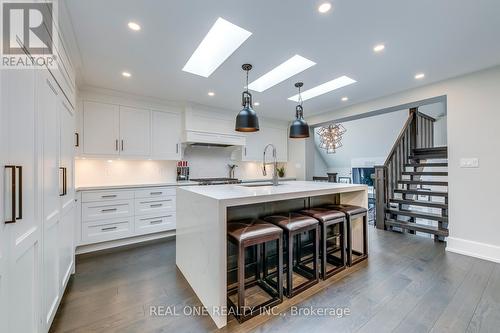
(123, 242)
(473, 249)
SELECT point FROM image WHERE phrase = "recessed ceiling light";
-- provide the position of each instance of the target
(211, 93)
(289, 68)
(126, 74)
(345, 99)
(324, 7)
(134, 26)
(324, 88)
(419, 76)
(256, 103)
(379, 48)
(219, 43)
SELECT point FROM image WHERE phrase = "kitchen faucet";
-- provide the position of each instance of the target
(275, 162)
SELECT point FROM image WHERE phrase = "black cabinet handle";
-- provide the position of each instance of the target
(64, 182)
(16, 188)
(77, 137)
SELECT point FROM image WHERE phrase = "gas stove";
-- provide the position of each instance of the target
(216, 181)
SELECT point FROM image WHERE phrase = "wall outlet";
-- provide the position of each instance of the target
(469, 162)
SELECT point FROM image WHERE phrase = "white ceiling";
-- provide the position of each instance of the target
(442, 38)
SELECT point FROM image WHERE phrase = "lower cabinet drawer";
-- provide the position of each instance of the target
(92, 211)
(155, 206)
(101, 231)
(150, 224)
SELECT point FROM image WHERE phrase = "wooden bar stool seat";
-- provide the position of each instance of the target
(353, 212)
(295, 226)
(255, 233)
(332, 244)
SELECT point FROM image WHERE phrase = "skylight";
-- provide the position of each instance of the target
(324, 88)
(289, 68)
(219, 43)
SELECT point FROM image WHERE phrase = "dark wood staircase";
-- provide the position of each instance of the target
(411, 186)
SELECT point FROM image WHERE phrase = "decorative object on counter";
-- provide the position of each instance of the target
(299, 128)
(332, 177)
(247, 120)
(330, 137)
(182, 170)
(345, 180)
(281, 171)
(231, 169)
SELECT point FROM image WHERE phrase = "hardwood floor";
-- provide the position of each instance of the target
(408, 284)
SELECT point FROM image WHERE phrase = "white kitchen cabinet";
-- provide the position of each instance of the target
(253, 150)
(19, 240)
(166, 135)
(101, 129)
(135, 132)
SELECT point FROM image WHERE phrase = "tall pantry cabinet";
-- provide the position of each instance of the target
(37, 139)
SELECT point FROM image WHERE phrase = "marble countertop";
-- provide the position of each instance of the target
(299, 188)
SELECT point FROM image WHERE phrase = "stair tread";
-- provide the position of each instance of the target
(423, 182)
(425, 173)
(422, 215)
(418, 227)
(420, 192)
(427, 165)
(423, 203)
(440, 148)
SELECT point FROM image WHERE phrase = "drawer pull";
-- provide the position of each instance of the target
(155, 193)
(108, 210)
(155, 205)
(155, 222)
(108, 196)
(109, 228)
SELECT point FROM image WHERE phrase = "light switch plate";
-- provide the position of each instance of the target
(469, 162)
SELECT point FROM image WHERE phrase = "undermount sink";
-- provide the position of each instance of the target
(259, 185)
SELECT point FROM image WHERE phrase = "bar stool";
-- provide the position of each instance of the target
(254, 233)
(330, 219)
(353, 212)
(294, 226)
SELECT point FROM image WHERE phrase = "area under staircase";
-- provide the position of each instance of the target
(412, 185)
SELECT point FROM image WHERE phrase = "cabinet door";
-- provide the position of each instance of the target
(166, 136)
(101, 125)
(278, 137)
(3, 227)
(254, 148)
(22, 244)
(48, 102)
(135, 132)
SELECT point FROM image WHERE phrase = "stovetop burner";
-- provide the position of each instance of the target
(216, 181)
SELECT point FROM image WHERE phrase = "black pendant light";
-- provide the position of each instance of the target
(247, 120)
(299, 128)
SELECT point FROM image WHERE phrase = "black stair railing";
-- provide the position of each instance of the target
(417, 132)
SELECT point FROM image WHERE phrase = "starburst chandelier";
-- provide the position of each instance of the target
(331, 137)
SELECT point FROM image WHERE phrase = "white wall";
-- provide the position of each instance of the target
(473, 118)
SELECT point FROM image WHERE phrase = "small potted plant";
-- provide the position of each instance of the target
(281, 171)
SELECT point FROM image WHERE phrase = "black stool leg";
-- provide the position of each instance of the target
(289, 272)
(241, 279)
(280, 268)
(323, 248)
(342, 242)
(349, 241)
(365, 234)
(316, 253)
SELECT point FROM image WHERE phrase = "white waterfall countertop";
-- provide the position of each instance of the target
(261, 192)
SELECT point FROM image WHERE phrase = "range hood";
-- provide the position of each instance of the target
(207, 128)
(210, 139)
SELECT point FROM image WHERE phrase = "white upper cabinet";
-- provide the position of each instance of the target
(135, 131)
(101, 129)
(109, 130)
(166, 135)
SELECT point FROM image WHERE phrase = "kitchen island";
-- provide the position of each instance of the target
(202, 215)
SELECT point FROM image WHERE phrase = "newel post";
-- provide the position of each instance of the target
(413, 129)
(380, 196)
